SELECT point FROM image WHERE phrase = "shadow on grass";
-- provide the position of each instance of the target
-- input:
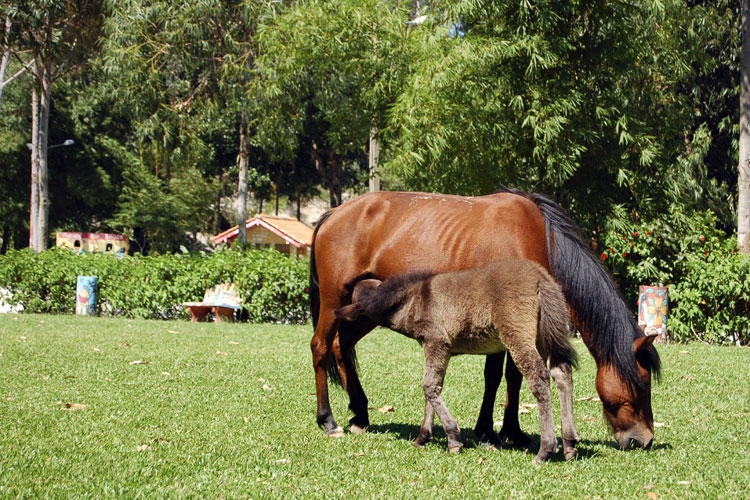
(587, 449)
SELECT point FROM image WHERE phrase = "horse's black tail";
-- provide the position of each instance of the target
(554, 324)
(597, 305)
(314, 290)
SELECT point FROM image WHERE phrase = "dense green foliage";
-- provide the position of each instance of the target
(120, 408)
(272, 286)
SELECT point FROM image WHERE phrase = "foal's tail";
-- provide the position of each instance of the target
(554, 324)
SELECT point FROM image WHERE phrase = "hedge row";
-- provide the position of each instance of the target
(273, 287)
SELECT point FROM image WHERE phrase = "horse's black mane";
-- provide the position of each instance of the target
(592, 295)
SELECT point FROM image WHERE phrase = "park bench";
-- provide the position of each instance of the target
(221, 301)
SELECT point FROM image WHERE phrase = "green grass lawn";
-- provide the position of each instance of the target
(97, 407)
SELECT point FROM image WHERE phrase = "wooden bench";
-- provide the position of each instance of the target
(220, 300)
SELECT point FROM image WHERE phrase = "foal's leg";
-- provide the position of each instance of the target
(425, 431)
(532, 367)
(437, 355)
(563, 376)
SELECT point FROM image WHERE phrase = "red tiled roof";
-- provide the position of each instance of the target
(291, 230)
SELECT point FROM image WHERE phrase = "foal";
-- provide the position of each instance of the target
(509, 305)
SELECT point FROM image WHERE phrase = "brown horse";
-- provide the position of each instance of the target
(508, 305)
(379, 235)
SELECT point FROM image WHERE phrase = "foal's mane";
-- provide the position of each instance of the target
(593, 296)
(392, 290)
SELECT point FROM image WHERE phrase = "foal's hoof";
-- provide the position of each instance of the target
(571, 454)
(355, 429)
(338, 432)
(455, 448)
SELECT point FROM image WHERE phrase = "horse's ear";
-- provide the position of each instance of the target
(350, 312)
(642, 343)
(363, 287)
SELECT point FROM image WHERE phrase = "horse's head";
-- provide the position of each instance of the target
(628, 407)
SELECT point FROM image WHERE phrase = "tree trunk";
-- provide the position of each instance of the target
(374, 160)
(743, 184)
(39, 206)
(244, 158)
(44, 109)
(6, 57)
(34, 203)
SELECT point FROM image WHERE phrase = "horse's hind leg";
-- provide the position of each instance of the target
(321, 345)
(511, 429)
(437, 355)
(343, 351)
(563, 376)
(493, 374)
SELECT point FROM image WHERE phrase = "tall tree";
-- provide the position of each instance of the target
(52, 38)
(330, 70)
(186, 67)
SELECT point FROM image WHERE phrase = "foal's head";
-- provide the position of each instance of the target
(628, 408)
(384, 302)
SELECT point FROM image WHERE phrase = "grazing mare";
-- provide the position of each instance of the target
(381, 234)
(508, 305)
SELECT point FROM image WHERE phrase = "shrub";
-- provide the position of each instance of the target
(273, 287)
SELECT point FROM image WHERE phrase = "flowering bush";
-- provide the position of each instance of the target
(709, 289)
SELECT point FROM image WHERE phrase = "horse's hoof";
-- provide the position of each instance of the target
(571, 454)
(518, 439)
(338, 432)
(488, 439)
(355, 429)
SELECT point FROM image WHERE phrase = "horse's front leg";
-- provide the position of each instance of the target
(511, 429)
(321, 346)
(563, 377)
(493, 374)
(343, 350)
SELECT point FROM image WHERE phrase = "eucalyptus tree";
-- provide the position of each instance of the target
(184, 70)
(330, 69)
(50, 38)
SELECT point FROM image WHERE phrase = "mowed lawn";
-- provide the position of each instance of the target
(101, 408)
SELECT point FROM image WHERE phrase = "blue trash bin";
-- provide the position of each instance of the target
(86, 292)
